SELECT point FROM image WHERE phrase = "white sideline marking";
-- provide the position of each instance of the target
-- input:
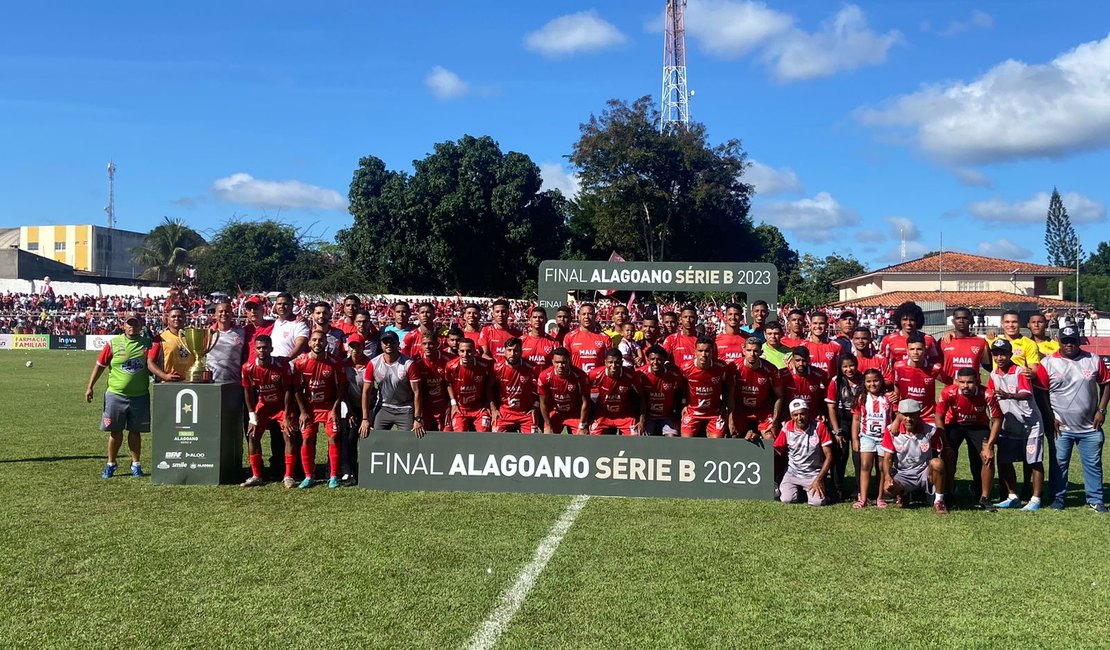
(487, 636)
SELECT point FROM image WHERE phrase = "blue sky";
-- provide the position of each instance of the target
(860, 119)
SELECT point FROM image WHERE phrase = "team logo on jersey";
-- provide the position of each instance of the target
(975, 349)
(761, 380)
(924, 447)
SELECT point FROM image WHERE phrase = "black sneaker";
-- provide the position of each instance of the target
(986, 505)
(1098, 507)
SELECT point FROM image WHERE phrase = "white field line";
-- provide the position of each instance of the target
(487, 636)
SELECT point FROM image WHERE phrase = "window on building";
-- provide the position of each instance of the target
(59, 245)
(33, 246)
(972, 285)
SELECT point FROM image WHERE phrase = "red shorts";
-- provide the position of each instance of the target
(438, 419)
(711, 426)
(623, 426)
(319, 416)
(267, 420)
(471, 420)
(560, 421)
(760, 423)
(515, 421)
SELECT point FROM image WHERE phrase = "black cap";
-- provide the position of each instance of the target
(1069, 333)
(1001, 346)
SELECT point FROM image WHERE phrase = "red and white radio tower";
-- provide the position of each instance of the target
(675, 103)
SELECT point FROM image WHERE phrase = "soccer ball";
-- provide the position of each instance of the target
(30, 364)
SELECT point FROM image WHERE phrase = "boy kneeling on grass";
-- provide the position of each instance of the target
(807, 446)
(912, 460)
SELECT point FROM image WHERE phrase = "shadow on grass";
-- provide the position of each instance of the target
(49, 459)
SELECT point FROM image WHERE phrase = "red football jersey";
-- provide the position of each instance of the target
(613, 395)
(271, 382)
(730, 347)
(660, 391)
(893, 347)
(873, 360)
(516, 385)
(681, 347)
(492, 339)
(564, 394)
(537, 350)
(320, 380)
(755, 388)
(823, 355)
(811, 387)
(966, 352)
(976, 409)
(587, 349)
(469, 384)
(917, 384)
(413, 343)
(705, 389)
(433, 384)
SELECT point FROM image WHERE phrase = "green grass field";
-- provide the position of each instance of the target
(87, 563)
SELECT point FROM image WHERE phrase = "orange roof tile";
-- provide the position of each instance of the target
(967, 263)
(986, 299)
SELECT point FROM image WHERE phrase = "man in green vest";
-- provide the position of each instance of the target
(130, 359)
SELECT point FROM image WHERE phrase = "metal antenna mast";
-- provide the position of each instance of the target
(675, 102)
(111, 207)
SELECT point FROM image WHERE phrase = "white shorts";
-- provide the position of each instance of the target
(871, 445)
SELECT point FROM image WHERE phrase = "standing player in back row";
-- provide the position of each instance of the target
(587, 344)
(709, 393)
(536, 345)
(730, 342)
(493, 337)
(682, 344)
(909, 318)
(963, 349)
(822, 353)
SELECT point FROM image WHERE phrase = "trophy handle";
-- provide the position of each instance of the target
(213, 336)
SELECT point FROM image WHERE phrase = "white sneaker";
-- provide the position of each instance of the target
(253, 481)
(289, 482)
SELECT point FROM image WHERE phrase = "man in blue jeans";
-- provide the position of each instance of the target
(1072, 377)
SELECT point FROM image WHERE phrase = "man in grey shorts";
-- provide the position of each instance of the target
(912, 462)
(806, 446)
(393, 390)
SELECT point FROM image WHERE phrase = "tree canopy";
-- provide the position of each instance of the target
(167, 250)
(262, 255)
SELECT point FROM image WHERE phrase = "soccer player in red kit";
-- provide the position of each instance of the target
(915, 378)
(430, 369)
(562, 389)
(563, 316)
(351, 305)
(910, 319)
(963, 349)
(318, 385)
(587, 344)
(802, 381)
(708, 393)
(759, 399)
(967, 411)
(649, 327)
(472, 323)
(795, 333)
(822, 353)
(493, 337)
(411, 345)
(866, 355)
(615, 391)
(682, 344)
(536, 345)
(660, 384)
(512, 403)
(730, 343)
(467, 380)
(267, 391)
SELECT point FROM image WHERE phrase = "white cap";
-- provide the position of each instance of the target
(909, 406)
(799, 405)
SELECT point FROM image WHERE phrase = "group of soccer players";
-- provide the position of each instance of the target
(820, 398)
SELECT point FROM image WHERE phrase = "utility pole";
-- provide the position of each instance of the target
(674, 104)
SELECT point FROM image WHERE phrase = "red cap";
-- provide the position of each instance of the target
(356, 339)
(258, 300)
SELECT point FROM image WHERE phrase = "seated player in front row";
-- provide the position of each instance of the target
(806, 445)
(912, 460)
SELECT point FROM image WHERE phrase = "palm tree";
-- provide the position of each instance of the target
(167, 250)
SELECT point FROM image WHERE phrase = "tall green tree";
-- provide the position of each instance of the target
(470, 218)
(812, 283)
(166, 250)
(1060, 239)
(660, 196)
(261, 255)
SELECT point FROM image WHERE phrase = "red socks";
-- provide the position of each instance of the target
(290, 464)
(308, 456)
(256, 465)
(333, 457)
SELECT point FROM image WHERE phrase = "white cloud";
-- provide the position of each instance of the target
(813, 220)
(445, 84)
(1081, 209)
(1005, 249)
(556, 177)
(731, 29)
(248, 190)
(844, 42)
(977, 20)
(573, 34)
(1013, 111)
(870, 235)
(972, 177)
(903, 226)
(769, 181)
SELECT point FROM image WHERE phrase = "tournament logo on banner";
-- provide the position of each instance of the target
(30, 341)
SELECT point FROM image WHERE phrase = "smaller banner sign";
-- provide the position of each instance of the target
(632, 466)
(30, 341)
(6, 341)
(96, 342)
(67, 342)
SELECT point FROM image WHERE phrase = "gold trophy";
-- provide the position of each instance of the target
(199, 342)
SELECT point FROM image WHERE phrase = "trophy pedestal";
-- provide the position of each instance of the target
(197, 433)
